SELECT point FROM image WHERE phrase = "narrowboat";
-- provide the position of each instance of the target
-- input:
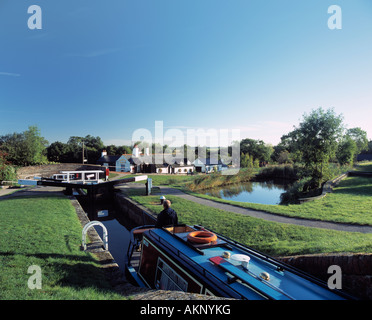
(195, 259)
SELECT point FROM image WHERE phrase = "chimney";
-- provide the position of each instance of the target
(104, 153)
(147, 151)
(135, 151)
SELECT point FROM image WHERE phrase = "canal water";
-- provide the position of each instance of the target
(265, 192)
(118, 228)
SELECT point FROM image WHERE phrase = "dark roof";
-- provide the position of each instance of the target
(209, 161)
(176, 165)
(362, 157)
(108, 159)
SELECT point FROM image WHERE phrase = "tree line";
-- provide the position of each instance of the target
(320, 138)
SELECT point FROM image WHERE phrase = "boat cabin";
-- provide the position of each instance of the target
(194, 259)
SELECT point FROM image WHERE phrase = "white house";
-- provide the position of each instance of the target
(208, 165)
(123, 163)
(126, 164)
(144, 163)
(183, 166)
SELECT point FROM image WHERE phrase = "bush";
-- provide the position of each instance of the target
(287, 171)
(300, 189)
(214, 180)
(7, 171)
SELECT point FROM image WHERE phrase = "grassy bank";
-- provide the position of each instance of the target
(350, 202)
(364, 166)
(215, 180)
(197, 181)
(171, 180)
(269, 237)
(45, 231)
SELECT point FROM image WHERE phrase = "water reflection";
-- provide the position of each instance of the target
(266, 192)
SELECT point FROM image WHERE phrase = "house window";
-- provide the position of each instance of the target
(168, 279)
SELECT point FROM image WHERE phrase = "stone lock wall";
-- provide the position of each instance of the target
(356, 270)
(135, 213)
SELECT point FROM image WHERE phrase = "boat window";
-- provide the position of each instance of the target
(167, 278)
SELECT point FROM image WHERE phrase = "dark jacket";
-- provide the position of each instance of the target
(167, 217)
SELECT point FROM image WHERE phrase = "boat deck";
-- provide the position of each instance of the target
(282, 285)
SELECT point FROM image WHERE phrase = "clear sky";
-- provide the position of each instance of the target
(108, 68)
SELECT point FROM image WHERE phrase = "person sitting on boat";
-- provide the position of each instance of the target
(167, 217)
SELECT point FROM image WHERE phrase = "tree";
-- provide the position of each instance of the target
(359, 136)
(288, 147)
(7, 171)
(246, 161)
(58, 152)
(346, 150)
(12, 145)
(26, 148)
(317, 137)
(124, 150)
(284, 157)
(256, 149)
(93, 147)
(34, 147)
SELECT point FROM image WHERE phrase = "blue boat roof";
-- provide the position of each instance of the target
(283, 284)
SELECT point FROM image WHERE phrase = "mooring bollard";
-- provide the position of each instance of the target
(162, 199)
(148, 186)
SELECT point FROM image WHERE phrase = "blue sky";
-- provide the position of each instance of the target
(108, 68)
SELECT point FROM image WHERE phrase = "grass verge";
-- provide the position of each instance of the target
(269, 237)
(351, 202)
(44, 231)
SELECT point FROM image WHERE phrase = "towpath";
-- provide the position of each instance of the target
(5, 193)
(261, 214)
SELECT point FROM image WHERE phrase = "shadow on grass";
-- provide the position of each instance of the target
(73, 271)
(357, 186)
(26, 194)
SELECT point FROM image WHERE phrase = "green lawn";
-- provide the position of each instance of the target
(45, 231)
(170, 180)
(364, 166)
(351, 202)
(272, 238)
